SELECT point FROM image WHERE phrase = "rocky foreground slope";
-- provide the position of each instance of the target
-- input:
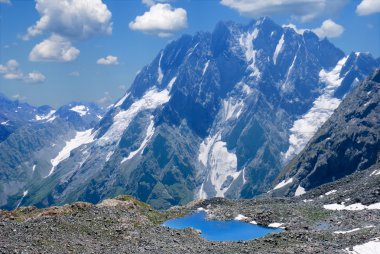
(125, 225)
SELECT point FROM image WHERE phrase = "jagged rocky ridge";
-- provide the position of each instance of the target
(15, 114)
(37, 140)
(349, 141)
(215, 114)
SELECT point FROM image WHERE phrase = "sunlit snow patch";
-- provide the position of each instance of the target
(375, 173)
(151, 100)
(45, 117)
(283, 183)
(80, 109)
(278, 49)
(121, 101)
(241, 217)
(276, 225)
(323, 107)
(351, 231)
(205, 68)
(22, 198)
(299, 191)
(148, 136)
(370, 247)
(246, 42)
(171, 83)
(81, 138)
(353, 207)
(159, 71)
(220, 163)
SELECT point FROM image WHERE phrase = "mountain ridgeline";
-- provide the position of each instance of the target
(34, 142)
(348, 142)
(214, 115)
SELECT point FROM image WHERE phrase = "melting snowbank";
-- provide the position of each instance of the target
(353, 207)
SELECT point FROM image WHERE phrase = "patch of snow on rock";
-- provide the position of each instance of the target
(201, 209)
(121, 101)
(160, 74)
(205, 68)
(246, 42)
(330, 192)
(45, 117)
(375, 173)
(240, 217)
(80, 109)
(283, 183)
(275, 225)
(353, 207)
(22, 198)
(371, 247)
(81, 138)
(278, 48)
(232, 108)
(351, 231)
(151, 100)
(299, 191)
(220, 163)
(148, 136)
(323, 107)
(171, 83)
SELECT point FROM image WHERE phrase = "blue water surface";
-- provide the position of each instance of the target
(214, 230)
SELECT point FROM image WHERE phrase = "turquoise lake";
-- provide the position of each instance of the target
(214, 230)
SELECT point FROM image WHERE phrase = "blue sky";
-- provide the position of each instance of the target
(57, 51)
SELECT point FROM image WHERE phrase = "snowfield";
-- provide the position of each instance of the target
(371, 247)
(283, 183)
(304, 128)
(353, 207)
(81, 138)
(80, 109)
(151, 100)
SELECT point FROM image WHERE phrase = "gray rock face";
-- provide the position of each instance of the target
(214, 114)
(349, 141)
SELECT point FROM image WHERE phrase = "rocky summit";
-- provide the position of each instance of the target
(214, 115)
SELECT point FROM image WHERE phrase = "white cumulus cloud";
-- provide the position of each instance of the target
(55, 48)
(305, 10)
(161, 19)
(153, 2)
(368, 7)
(11, 71)
(34, 77)
(329, 29)
(66, 21)
(108, 60)
(76, 19)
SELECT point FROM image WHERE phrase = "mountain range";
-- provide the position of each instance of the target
(214, 115)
